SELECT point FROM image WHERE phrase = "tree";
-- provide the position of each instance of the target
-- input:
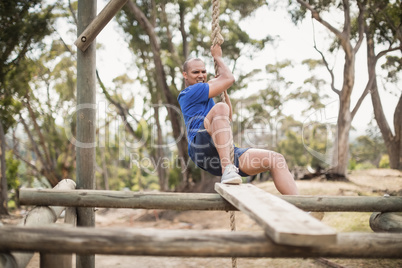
(384, 30)
(23, 24)
(349, 38)
(3, 186)
(146, 23)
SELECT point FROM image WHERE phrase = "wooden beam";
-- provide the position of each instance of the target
(386, 222)
(187, 201)
(89, 34)
(7, 261)
(346, 203)
(60, 260)
(40, 216)
(284, 223)
(125, 199)
(190, 243)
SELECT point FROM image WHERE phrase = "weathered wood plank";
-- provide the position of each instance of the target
(283, 223)
(190, 243)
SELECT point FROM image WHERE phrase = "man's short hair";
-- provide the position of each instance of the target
(185, 64)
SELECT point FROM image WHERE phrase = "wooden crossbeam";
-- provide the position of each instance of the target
(191, 201)
(189, 243)
(89, 34)
(283, 222)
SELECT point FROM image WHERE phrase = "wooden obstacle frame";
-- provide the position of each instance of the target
(38, 236)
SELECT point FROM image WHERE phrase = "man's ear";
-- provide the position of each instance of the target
(185, 75)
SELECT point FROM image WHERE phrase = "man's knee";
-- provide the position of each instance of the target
(220, 109)
(271, 160)
(219, 112)
(278, 160)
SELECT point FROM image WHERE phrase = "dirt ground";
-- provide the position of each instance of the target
(369, 182)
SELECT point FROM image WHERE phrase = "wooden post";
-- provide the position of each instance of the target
(191, 243)
(199, 201)
(390, 222)
(55, 260)
(40, 216)
(60, 260)
(96, 26)
(7, 261)
(86, 121)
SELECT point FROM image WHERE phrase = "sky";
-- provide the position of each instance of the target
(294, 42)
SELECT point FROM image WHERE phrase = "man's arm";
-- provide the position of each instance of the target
(225, 78)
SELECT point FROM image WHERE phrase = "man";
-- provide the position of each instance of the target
(209, 131)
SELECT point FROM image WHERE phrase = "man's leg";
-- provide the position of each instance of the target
(255, 161)
(217, 125)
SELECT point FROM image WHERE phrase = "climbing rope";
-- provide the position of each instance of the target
(233, 228)
(217, 39)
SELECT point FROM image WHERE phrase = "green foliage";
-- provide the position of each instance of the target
(9, 106)
(384, 19)
(368, 149)
(352, 164)
(245, 8)
(267, 103)
(174, 177)
(23, 24)
(12, 166)
(364, 165)
(384, 162)
(393, 66)
(298, 12)
(13, 183)
(292, 147)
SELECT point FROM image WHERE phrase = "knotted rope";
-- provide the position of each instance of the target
(217, 39)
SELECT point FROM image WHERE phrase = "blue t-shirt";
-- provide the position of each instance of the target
(195, 105)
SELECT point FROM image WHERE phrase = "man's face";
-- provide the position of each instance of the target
(196, 73)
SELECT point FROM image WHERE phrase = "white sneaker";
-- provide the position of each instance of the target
(231, 175)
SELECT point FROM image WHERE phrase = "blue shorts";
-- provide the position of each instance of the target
(204, 154)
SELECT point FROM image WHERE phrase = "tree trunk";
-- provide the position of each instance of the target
(3, 179)
(341, 146)
(163, 179)
(183, 30)
(392, 142)
(172, 106)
